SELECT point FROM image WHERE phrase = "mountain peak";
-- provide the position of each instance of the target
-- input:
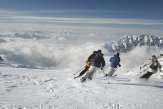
(128, 42)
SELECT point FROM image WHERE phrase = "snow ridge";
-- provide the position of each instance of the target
(129, 42)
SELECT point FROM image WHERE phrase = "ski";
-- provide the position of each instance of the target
(115, 75)
(76, 77)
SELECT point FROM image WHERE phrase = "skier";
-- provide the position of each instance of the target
(154, 65)
(97, 62)
(1, 59)
(115, 61)
(87, 66)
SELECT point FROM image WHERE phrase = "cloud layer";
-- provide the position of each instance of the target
(65, 49)
(54, 50)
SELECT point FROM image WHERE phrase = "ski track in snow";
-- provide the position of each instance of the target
(52, 89)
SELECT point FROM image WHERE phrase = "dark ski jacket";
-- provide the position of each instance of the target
(154, 66)
(98, 60)
(1, 59)
(115, 60)
(90, 57)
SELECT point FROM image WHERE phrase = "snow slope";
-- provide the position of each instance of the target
(22, 88)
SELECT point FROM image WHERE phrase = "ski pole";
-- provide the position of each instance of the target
(103, 72)
(79, 69)
(140, 70)
(116, 70)
(161, 75)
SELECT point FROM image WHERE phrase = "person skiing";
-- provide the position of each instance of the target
(115, 61)
(87, 66)
(97, 62)
(154, 65)
(1, 59)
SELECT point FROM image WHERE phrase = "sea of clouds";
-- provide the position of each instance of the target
(58, 49)
(65, 48)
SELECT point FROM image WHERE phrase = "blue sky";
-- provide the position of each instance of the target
(128, 13)
(144, 9)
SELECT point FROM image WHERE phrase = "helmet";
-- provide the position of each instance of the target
(94, 52)
(118, 54)
(99, 51)
(154, 56)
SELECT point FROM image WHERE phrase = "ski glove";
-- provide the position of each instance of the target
(160, 70)
(102, 68)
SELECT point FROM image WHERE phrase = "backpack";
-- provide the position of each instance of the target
(114, 61)
(97, 58)
(154, 65)
(111, 59)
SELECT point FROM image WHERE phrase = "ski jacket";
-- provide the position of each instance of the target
(115, 60)
(154, 66)
(1, 59)
(98, 60)
(90, 57)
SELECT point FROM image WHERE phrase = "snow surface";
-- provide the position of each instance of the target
(22, 88)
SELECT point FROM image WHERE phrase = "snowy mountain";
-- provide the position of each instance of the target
(127, 43)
